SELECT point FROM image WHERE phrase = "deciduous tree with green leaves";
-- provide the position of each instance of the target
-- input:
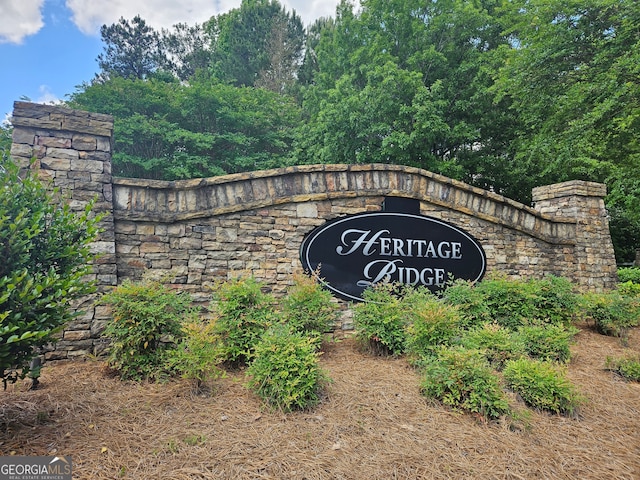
(168, 130)
(572, 78)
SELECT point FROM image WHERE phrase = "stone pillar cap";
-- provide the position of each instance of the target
(567, 189)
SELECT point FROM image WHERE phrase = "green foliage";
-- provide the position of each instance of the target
(462, 379)
(555, 301)
(408, 82)
(5, 141)
(629, 274)
(44, 247)
(547, 342)
(627, 367)
(498, 344)
(167, 130)
(542, 385)
(470, 301)
(197, 357)
(147, 319)
(285, 371)
(258, 38)
(307, 308)
(569, 82)
(629, 289)
(612, 313)
(433, 324)
(513, 303)
(131, 49)
(244, 313)
(381, 320)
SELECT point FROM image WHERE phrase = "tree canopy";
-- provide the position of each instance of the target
(502, 94)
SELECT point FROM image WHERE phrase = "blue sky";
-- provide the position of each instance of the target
(48, 47)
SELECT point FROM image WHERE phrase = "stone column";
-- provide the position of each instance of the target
(72, 150)
(594, 263)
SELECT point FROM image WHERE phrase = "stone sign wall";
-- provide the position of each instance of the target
(204, 230)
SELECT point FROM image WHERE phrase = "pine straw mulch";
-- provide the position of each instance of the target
(372, 424)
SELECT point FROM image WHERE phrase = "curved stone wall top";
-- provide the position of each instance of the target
(163, 201)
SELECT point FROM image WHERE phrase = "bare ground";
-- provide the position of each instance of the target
(371, 424)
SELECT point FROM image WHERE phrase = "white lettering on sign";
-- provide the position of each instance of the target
(354, 240)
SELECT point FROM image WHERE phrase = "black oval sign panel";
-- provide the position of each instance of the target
(359, 250)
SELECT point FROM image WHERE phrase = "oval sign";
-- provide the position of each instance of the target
(360, 250)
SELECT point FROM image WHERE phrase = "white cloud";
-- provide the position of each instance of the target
(90, 15)
(19, 19)
(46, 96)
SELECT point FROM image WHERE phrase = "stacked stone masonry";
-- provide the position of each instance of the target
(201, 231)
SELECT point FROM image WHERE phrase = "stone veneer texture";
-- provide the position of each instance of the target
(205, 230)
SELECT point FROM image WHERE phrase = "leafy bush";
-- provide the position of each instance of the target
(629, 289)
(147, 316)
(307, 307)
(498, 344)
(470, 301)
(433, 323)
(243, 314)
(513, 303)
(612, 313)
(542, 385)
(285, 371)
(629, 274)
(381, 319)
(197, 356)
(45, 255)
(627, 367)
(554, 299)
(547, 342)
(462, 379)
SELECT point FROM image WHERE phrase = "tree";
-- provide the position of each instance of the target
(409, 82)
(131, 49)
(244, 45)
(185, 50)
(45, 255)
(5, 140)
(168, 130)
(279, 74)
(573, 81)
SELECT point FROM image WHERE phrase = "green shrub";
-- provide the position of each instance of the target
(433, 323)
(547, 342)
(629, 289)
(627, 367)
(146, 320)
(243, 314)
(44, 259)
(554, 300)
(380, 320)
(197, 357)
(470, 301)
(498, 344)
(612, 313)
(511, 303)
(307, 307)
(542, 385)
(463, 379)
(285, 370)
(629, 274)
